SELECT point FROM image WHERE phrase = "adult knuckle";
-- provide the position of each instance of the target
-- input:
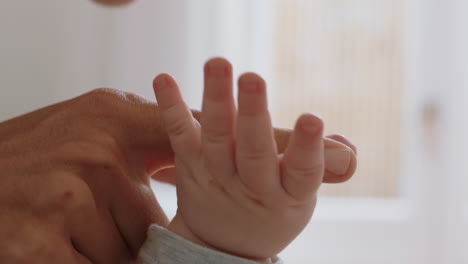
(74, 196)
(113, 109)
(113, 96)
(101, 148)
(104, 94)
(102, 157)
(68, 194)
(106, 149)
(103, 102)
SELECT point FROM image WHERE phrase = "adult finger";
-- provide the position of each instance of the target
(256, 156)
(340, 160)
(31, 241)
(134, 210)
(166, 175)
(218, 117)
(97, 238)
(79, 258)
(178, 120)
(302, 166)
(344, 140)
(92, 230)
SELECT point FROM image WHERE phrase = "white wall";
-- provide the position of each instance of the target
(53, 50)
(450, 78)
(443, 73)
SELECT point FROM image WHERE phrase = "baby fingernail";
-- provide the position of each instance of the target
(249, 86)
(337, 160)
(311, 123)
(217, 69)
(162, 82)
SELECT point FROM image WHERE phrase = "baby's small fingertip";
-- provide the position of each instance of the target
(251, 83)
(310, 123)
(217, 67)
(162, 81)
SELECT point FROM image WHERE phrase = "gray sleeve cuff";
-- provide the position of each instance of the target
(165, 247)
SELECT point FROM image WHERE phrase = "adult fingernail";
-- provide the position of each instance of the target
(337, 160)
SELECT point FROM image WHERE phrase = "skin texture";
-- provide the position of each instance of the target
(236, 192)
(74, 181)
(333, 163)
(73, 185)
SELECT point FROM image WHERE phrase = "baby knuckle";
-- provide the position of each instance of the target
(177, 127)
(256, 155)
(304, 172)
(216, 136)
(255, 149)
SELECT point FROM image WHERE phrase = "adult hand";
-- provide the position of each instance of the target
(73, 181)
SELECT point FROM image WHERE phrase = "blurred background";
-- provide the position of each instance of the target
(392, 75)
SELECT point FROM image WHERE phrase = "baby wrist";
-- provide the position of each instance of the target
(183, 231)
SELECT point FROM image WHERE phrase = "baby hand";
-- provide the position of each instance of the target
(235, 192)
